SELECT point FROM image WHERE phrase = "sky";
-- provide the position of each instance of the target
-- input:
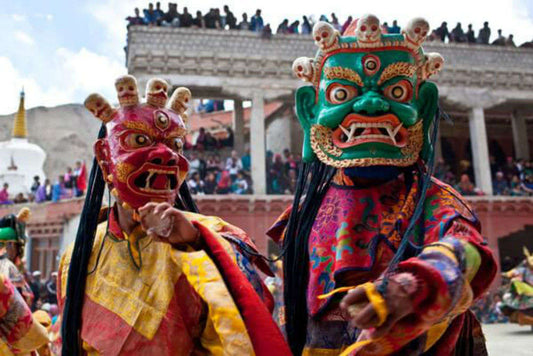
(60, 51)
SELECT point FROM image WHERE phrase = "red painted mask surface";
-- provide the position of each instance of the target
(142, 154)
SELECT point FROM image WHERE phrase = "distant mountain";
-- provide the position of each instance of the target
(65, 132)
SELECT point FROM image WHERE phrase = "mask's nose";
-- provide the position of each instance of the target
(162, 155)
(371, 103)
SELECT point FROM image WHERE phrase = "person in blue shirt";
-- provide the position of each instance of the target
(394, 28)
(257, 22)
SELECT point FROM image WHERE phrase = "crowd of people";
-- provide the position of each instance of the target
(210, 173)
(69, 185)
(514, 178)
(225, 19)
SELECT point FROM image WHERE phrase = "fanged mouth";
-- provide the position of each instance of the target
(156, 179)
(356, 129)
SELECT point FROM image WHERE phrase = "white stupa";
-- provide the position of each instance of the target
(20, 160)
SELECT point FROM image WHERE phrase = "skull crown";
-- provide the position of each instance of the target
(128, 96)
(366, 32)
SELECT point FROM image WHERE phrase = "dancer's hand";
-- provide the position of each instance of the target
(398, 298)
(167, 224)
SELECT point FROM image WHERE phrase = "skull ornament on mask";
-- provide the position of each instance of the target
(141, 156)
(127, 92)
(326, 37)
(416, 31)
(368, 29)
(156, 92)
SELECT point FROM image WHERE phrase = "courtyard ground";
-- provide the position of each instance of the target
(508, 339)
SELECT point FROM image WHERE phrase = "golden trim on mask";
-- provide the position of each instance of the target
(123, 170)
(343, 73)
(179, 132)
(141, 126)
(397, 69)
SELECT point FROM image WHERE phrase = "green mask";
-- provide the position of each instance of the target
(370, 103)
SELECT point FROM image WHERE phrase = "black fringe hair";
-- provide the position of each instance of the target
(83, 246)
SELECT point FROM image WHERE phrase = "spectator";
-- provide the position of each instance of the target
(516, 187)
(69, 179)
(58, 189)
(36, 184)
(291, 182)
(194, 164)
(457, 34)
(500, 41)
(293, 28)
(186, 19)
(266, 32)
(257, 22)
(210, 141)
(210, 183)
(394, 28)
(277, 175)
(218, 19)
(224, 184)
(230, 19)
(233, 165)
(199, 20)
(500, 185)
(442, 32)
(346, 23)
(470, 35)
(306, 26)
(484, 34)
(229, 140)
(44, 193)
(196, 185)
(283, 27)
(159, 14)
(244, 24)
(4, 195)
(323, 18)
(510, 42)
(149, 15)
(80, 175)
(35, 286)
(200, 140)
(135, 20)
(335, 22)
(240, 186)
(246, 161)
(465, 186)
(211, 165)
(19, 199)
(528, 44)
(172, 17)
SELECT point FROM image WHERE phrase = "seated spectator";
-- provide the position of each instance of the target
(510, 41)
(149, 15)
(210, 183)
(186, 19)
(394, 28)
(194, 164)
(36, 184)
(292, 179)
(484, 34)
(240, 185)
(58, 189)
(293, 28)
(224, 184)
(470, 35)
(218, 19)
(266, 32)
(135, 20)
(19, 199)
(172, 17)
(210, 141)
(229, 140)
(346, 24)
(306, 26)
(500, 41)
(69, 179)
(199, 20)
(196, 185)
(457, 34)
(465, 186)
(233, 164)
(4, 195)
(200, 140)
(209, 19)
(230, 19)
(528, 44)
(244, 24)
(257, 22)
(283, 27)
(500, 185)
(323, 18)
(516, 187)
(80, 177)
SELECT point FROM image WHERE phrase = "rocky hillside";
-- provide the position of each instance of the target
(65, 132)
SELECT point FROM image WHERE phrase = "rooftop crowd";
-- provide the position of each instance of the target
(226, 20)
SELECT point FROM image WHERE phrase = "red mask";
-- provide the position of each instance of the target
(141, 157)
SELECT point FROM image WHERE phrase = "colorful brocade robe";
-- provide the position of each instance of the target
(145, 297)
(354, 237)
(20, 332)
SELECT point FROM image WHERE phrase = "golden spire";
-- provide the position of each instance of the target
(19, 126)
